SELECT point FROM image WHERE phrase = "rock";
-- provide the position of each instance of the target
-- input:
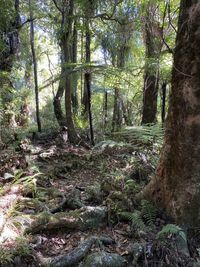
(104, 259)
(137, 251)
(94, 193)
(181, 243)
(8, 177)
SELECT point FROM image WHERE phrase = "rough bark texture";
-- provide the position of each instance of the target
(176, 184)
(153, 48)
(117, 112)
(163, 112)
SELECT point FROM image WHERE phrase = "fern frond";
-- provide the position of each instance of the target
(149, 212)
(171, 229)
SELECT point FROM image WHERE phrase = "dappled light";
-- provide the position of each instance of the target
(99, 133)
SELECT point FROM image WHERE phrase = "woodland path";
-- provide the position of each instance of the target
(67, 203)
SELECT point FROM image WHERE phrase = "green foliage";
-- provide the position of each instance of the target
(21, 249)
(143, 135)
(171, 230)
(132, 186)
(136, 220)
(28, 181)
(6, 257)
(149, 212)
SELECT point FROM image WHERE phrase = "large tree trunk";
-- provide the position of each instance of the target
(32, 41)
(176, 184)
(65, 83)
(9, 39)
(153, 47)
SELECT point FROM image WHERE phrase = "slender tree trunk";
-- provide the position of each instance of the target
(176, 184)
(163, 112)
(87, 82)
(82, 45)
(153, 47)
(117, 112)
(87, 60)
(74, 60)
(32, 41)
(105, 108)
(57, 101)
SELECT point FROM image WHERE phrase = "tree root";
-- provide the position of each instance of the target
(82, 219)
(74, 257)
(72, 202)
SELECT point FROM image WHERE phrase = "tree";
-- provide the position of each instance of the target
(65, 36)
(176, 184)
(32, 41)
(9, 47)
(153, 44)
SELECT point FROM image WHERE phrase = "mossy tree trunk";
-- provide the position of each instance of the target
(176, 184)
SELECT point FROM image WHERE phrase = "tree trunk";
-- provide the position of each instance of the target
(153, 47)
(87, 81)
(117, 112)
(105, 108)
(163, 112)
(9, 39)
(67, 56)
(74, 60)
(150, 99)
(32, 41)
(176, 184)
(57, 102)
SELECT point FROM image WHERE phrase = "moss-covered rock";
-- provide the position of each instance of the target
(104, 259)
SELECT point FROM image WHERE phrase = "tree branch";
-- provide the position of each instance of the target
(56, 5)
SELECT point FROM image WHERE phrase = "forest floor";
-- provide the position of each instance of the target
(63, 205)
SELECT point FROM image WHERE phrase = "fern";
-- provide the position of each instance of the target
(135, 218)
(171, 229)
(145, 134)
(149, 212)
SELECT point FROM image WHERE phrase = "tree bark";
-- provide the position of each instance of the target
(66, 50)
(57, 102)
(117, 112)
(32, 41)
(74, 60)
(163, 112)
(176, 184)
(87, 81)
(153, 47)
